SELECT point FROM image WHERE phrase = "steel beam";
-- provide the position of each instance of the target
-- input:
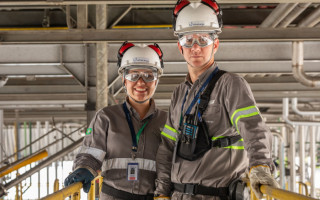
(134, 2)
(153, 35)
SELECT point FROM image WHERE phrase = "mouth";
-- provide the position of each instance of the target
(141, 90)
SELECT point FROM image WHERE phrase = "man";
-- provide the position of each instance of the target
(213, 124)
(125, 137)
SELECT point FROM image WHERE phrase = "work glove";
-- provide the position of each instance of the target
(261, 175)
(80, 175)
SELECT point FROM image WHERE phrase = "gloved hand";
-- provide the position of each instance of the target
(261, 175)
(80, 175)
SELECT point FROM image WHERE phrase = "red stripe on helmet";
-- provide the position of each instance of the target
(125, 47)
(156, 49)
(180, 5)
(213, 4)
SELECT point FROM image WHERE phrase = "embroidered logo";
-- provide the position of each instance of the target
(140, 60)
(89, 131)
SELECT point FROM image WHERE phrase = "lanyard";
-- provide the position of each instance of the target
(135, 138)
(197, 95)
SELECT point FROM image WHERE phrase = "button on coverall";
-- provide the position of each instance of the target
(107, 147)
(231, 110)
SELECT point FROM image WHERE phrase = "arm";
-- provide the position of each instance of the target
(165, 154)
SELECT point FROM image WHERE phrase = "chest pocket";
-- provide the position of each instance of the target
(212, 117)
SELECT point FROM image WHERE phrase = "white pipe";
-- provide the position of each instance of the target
(285, 110)
(302, 153)
(297, 66)
(313, 162)
(281, 157)
(294, 105)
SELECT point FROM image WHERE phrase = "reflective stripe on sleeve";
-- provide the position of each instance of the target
(238, 145)
(243, 113)
(96, 153)
(122, 163)
(170, 132)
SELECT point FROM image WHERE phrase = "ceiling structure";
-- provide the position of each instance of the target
(48, 53)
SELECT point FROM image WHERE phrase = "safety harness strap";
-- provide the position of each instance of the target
(194, 189)
(225, 141)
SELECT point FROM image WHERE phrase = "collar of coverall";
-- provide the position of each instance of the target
(202, 78)
(134, 113)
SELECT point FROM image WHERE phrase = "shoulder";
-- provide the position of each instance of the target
(108, 111)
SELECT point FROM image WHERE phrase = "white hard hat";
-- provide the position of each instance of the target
(205, 16)
(143, 55)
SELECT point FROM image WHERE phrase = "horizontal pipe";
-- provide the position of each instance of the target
(23, 162)
(282, 194)
(143, 26)
(64, 193)
(34, 29)
(294, 105)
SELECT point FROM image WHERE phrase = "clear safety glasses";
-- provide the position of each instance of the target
(135, 74)
(202, 40)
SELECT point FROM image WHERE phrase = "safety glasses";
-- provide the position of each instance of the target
(134, 74)
(202, 40)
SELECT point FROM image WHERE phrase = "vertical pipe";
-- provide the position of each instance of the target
(1, 137)
(313, 162)
(292, 157)
(47, 139)
(281, 160)
(38, 128)
(302, 170)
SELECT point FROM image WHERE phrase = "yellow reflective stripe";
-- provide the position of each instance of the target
(243, 113)
(169, 132)
(234, 147)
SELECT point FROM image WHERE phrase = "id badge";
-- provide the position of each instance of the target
(133, 169)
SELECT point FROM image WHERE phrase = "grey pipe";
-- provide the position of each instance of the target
(43, 164)
(293, 15)
(311, 20)
(281, 158)
(277, 15)
(297, 66)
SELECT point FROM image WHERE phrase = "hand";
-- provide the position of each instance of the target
(80, 175)
(261, 175)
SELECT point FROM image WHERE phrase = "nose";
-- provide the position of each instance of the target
(140, 81)
(195, 47)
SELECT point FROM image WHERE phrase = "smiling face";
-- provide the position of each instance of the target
(140, 90)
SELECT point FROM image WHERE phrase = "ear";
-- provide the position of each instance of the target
(180, 48)
(215, 45)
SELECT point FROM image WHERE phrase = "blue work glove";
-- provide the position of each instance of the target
(80, 175)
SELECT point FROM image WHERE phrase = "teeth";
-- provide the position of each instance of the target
(140, 89)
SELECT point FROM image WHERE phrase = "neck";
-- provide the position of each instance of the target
(196, 72)
(141, 108)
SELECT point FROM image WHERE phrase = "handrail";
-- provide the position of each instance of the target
(65, 192)
(23, 162)
(282, 194)
(302, 184)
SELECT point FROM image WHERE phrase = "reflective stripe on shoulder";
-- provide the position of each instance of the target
(96, 153)
(170, 132)
(243, 113)
(122, 163)
(238, 145)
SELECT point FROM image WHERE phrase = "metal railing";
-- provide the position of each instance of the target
(73, 191)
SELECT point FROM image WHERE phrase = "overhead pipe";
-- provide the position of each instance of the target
(277, 15)
(293, 15)
(312, 19)
(41, 165)
(285, 116)
(294, 106)
(297, 66)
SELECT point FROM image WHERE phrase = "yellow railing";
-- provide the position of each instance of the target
(23, 162)
(282, 194)
(74, 190)
(301, 185)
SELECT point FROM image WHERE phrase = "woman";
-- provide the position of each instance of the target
(125, 137)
